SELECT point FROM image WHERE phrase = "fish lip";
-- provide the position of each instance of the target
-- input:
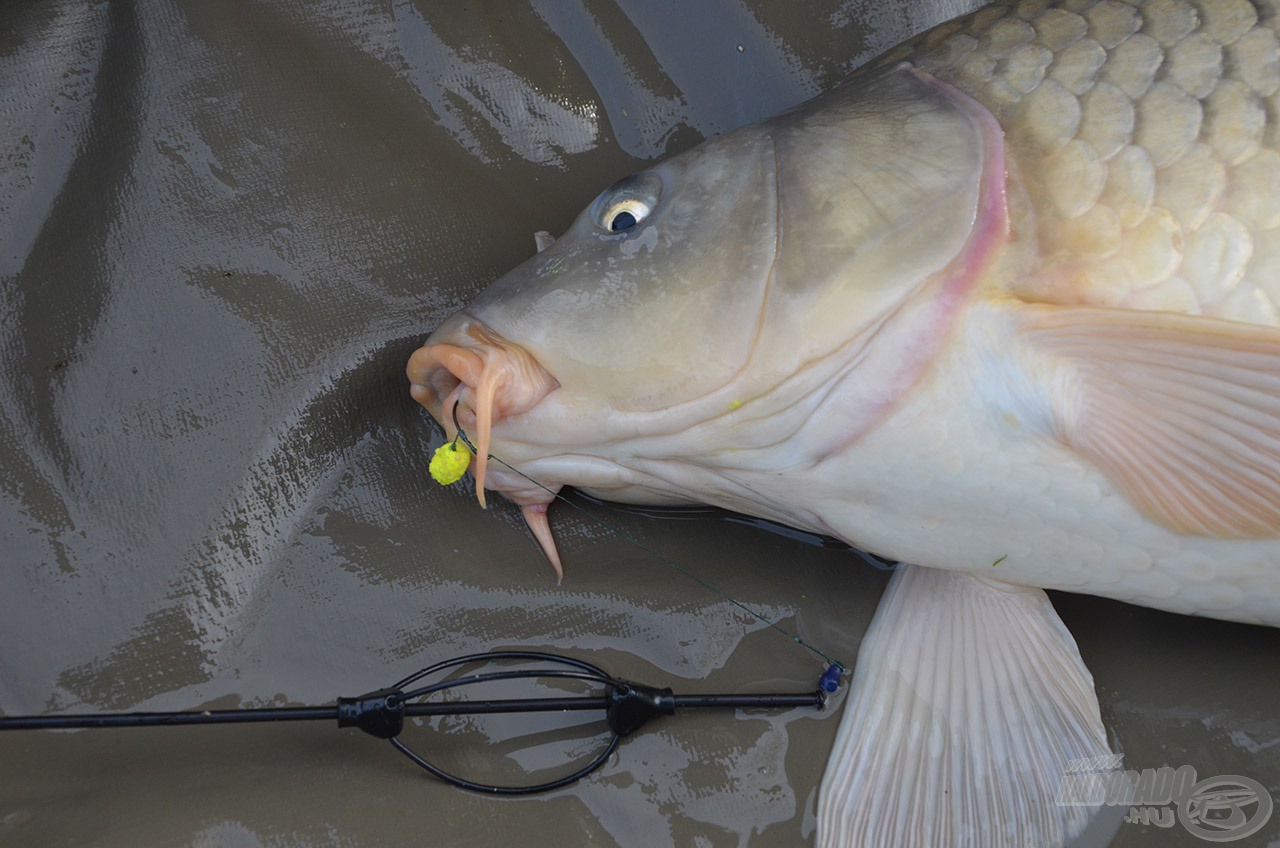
(517, 488)
(469, 373)
(436, 385)
(432, 380)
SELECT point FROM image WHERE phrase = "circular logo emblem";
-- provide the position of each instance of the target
(1225, 808)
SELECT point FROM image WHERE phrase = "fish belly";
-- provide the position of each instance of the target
(961, 484)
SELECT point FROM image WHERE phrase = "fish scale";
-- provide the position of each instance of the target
(1141, 133)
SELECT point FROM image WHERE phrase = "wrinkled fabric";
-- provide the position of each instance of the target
(223, 228)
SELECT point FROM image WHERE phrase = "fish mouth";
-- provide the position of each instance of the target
(468, 375)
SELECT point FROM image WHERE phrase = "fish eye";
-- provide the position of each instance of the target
(627, 202)
(625, 214)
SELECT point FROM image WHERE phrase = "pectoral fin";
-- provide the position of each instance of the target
(969, 702)
(1181, 412)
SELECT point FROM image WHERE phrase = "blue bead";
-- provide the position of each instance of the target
(830, 680)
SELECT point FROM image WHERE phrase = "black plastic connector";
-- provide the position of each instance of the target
(633, 704)
(379, 713)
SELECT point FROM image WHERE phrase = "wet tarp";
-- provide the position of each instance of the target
(223, 228)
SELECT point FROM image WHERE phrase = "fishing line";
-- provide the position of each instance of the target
(832, 663)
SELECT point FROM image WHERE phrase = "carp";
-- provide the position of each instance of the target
(1003, 307)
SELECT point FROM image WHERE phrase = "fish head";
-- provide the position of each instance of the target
(688, 327)
(649, 301)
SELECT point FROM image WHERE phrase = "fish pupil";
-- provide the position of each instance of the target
(622, 221)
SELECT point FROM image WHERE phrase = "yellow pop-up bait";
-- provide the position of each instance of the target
(450, 462)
